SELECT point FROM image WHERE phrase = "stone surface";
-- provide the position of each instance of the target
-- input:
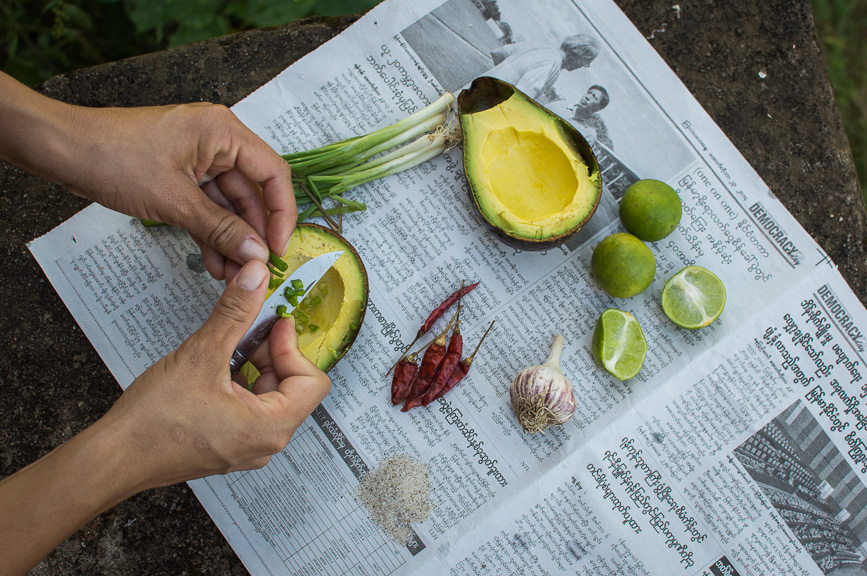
(755, 67)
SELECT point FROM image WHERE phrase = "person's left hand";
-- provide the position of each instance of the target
(194, 166)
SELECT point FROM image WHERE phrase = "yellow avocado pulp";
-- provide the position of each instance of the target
(511, 158)
(533, 177)
(330, 316)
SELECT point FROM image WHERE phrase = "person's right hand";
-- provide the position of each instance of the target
(189, 419)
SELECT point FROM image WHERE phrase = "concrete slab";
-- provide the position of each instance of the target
(755, 66)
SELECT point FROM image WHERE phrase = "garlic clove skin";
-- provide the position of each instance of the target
(542, 395)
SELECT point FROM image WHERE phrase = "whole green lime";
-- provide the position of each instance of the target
(650, 209)
(623, 265)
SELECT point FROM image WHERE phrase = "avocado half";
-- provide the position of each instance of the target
(330, 316)
(534, 179)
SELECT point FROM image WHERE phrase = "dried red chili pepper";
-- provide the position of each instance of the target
(447, 366)
(431, 360)
(404, 375)
(436, 315)
(447, 303)
(460, 370)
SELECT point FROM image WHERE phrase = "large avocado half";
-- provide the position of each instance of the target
(330, 316)
(532, 176)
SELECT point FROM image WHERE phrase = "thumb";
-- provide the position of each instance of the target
(236, 309)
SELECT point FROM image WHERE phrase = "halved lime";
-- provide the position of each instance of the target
(619, 344)
(693, 298)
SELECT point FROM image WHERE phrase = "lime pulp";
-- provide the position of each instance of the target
(619, 344)
(693, 298)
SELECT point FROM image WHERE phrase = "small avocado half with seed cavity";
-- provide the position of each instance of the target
(330, 316)
(532, 176)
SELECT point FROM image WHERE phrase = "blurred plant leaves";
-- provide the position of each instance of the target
(41, 38)
(184, 21)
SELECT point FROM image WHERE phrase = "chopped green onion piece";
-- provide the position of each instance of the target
(323, 289)
(273, 283)
(287, 292)
(299, 328)
(313, 327)
(293, 299)
(299, 292)
(281, 311)
(353, 327)
(277, 262)
(301, 317)
(146, 222)
(298, 285)
(315, 301)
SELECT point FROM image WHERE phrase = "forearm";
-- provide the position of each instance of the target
(35, 131)
(44, 503)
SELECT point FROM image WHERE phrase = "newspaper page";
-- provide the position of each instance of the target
(738, 449)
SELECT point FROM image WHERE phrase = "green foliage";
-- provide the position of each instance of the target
(41, 38)
(842, 28)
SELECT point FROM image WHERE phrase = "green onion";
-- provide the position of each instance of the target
(329, 171)
(313, 327)
(298, 285)
(293, 299)
(277, 262)
(281, 311)
(301, 317)
(315, 301)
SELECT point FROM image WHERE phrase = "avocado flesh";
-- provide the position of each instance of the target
(528, 176)
(330, 316)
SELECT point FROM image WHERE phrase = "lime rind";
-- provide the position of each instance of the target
(619, 344)
(693, 298)
(650, 209)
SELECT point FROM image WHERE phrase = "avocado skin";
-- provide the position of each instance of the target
(485, 93)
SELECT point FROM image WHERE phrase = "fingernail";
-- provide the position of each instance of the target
(252, 250)
(252, 275)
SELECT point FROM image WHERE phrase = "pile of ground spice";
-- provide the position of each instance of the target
(396, 494)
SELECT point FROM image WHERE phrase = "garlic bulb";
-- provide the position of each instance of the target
(541, 395)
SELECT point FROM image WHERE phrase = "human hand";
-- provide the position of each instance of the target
(183, 418)
(193, 166)
(186, 417)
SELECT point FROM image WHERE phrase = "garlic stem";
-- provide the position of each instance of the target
(556, 350)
